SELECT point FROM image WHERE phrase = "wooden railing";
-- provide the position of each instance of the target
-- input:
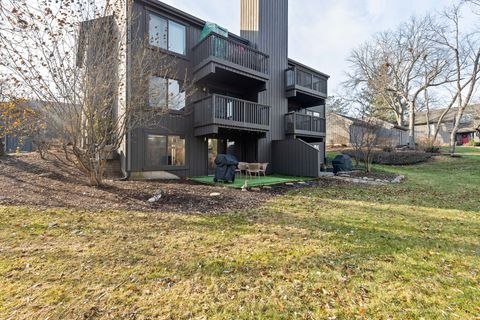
(229, 50)
(302, 77)
(222, 110)
(301, 123)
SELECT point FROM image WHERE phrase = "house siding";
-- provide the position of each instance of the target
(264, 26)
(265, 23)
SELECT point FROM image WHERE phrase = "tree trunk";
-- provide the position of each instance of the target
(399, 118)
(411, 127)
(2, 148)
(453, 140)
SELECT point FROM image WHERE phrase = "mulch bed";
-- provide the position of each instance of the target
(26, 179)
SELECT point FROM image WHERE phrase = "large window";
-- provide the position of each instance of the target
(165, 151)
(166, 34)
(166, 94)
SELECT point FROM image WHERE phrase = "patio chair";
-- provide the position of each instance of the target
(242, 167)
(254, 169)
(263, 168)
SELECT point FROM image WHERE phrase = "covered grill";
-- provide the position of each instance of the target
(225, 168)
(342, 163)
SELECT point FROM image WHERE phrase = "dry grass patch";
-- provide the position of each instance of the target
(408, 251)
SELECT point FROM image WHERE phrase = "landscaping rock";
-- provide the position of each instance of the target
(45, 175)
(326, 174)
(215, 194)
(398, 179)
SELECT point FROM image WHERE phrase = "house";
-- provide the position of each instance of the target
(342, 131)
(250, 99)
(469, 125)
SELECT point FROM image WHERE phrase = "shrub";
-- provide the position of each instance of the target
(427, 145)
(387, 149)
(396, 158)
(432, 149)
(471, 143)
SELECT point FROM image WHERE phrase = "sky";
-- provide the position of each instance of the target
(322, 32)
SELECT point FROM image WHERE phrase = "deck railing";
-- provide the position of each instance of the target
(301, 77)
(302, 123)
(222, 110)
(229, 50)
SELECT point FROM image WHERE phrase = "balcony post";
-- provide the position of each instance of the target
(244, 112)
(214, 106)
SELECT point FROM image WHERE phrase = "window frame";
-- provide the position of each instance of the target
(167, 19)
(149, 167)
(167, 93)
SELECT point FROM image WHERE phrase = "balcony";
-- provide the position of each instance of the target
(305, 86)
(228, 61)
(304, 126)
(217, 112)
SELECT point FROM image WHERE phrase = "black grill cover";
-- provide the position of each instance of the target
(226, 166)
(342, 163)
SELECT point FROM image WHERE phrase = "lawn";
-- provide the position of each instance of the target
(252, 181)
(409, 251)
(462, 149)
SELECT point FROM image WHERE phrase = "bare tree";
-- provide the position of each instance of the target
(369, 72)
(91, 69)
(464, 53)
(400, 65)
(365, 131)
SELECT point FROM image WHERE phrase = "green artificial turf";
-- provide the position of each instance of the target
(252, 181)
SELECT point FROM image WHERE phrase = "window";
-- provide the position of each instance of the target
(166, 34)
(304, 79)
(176, 95)
(319, 84)
(176, 151)
(157, 91)
(176, 37)
(166, 93)
(156, 147)
(158, 31)
(313, 113)
(165, 151)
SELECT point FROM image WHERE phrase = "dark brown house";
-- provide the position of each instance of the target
(250, 99)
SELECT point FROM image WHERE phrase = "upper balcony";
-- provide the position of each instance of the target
(305, 85)
(216, 112)
(305, 126)
(228, 61)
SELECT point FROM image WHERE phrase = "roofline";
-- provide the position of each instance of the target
(186, 16)
(353, 120)
(291, 61)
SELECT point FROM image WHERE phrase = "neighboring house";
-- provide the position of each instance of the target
(251, 100)
(469, 125)
(343, 130)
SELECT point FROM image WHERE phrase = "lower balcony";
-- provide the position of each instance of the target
(305, 126)
(221, 112)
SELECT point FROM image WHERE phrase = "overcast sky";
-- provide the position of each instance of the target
(336, 26)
